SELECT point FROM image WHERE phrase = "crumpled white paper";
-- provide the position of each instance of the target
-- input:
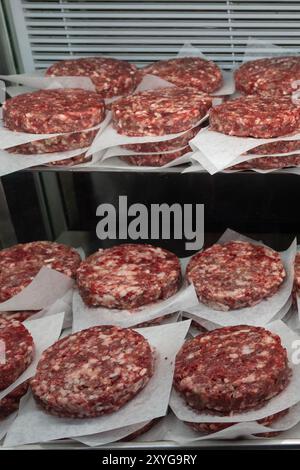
(84, 316)
(47, 286)
(34, 425)
(286, 399)
(259, 314)
(44, 331)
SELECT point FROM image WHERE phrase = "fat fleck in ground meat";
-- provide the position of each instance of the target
(273, 76)
(193, 72)
(255, 116)
(159, 112)
(128, 276)
(111, 77)
(231, 370)
(92, 372)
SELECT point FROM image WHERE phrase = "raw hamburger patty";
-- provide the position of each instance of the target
(62, 143)
(282, 146)
(269, 163)
(297, 273)
(17, 350)
(165, 145)
(156, 159)
(273, 75)
(19, 315)
(111, 77)
(128, 276)
(20, 263)
(231, 370)
(93, 372)
(52, 111)
(193, 72)
(216, 427)
(10, 402)
(78, 160)
(159, 112)
(235, 275)
(256, 116)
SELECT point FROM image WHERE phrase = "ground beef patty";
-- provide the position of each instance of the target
(216, 427)
(231, 370)
(297, 273)
(10, 402)
(281, 146)
(63, 143)
(111, 77)
(54, 111)
(165, 145)
(19, 315)
(92, 372)
(193, 72)
(72, 161)
(256, 116)
(269, 163)
(235, 275)
(16, 350)
(159, 112)
(273, 75)
(156, 159)
(128, 276)
(20, 263)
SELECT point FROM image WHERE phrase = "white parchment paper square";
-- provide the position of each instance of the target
(34, 425)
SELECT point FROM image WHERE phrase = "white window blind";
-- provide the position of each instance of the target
(144, 31)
